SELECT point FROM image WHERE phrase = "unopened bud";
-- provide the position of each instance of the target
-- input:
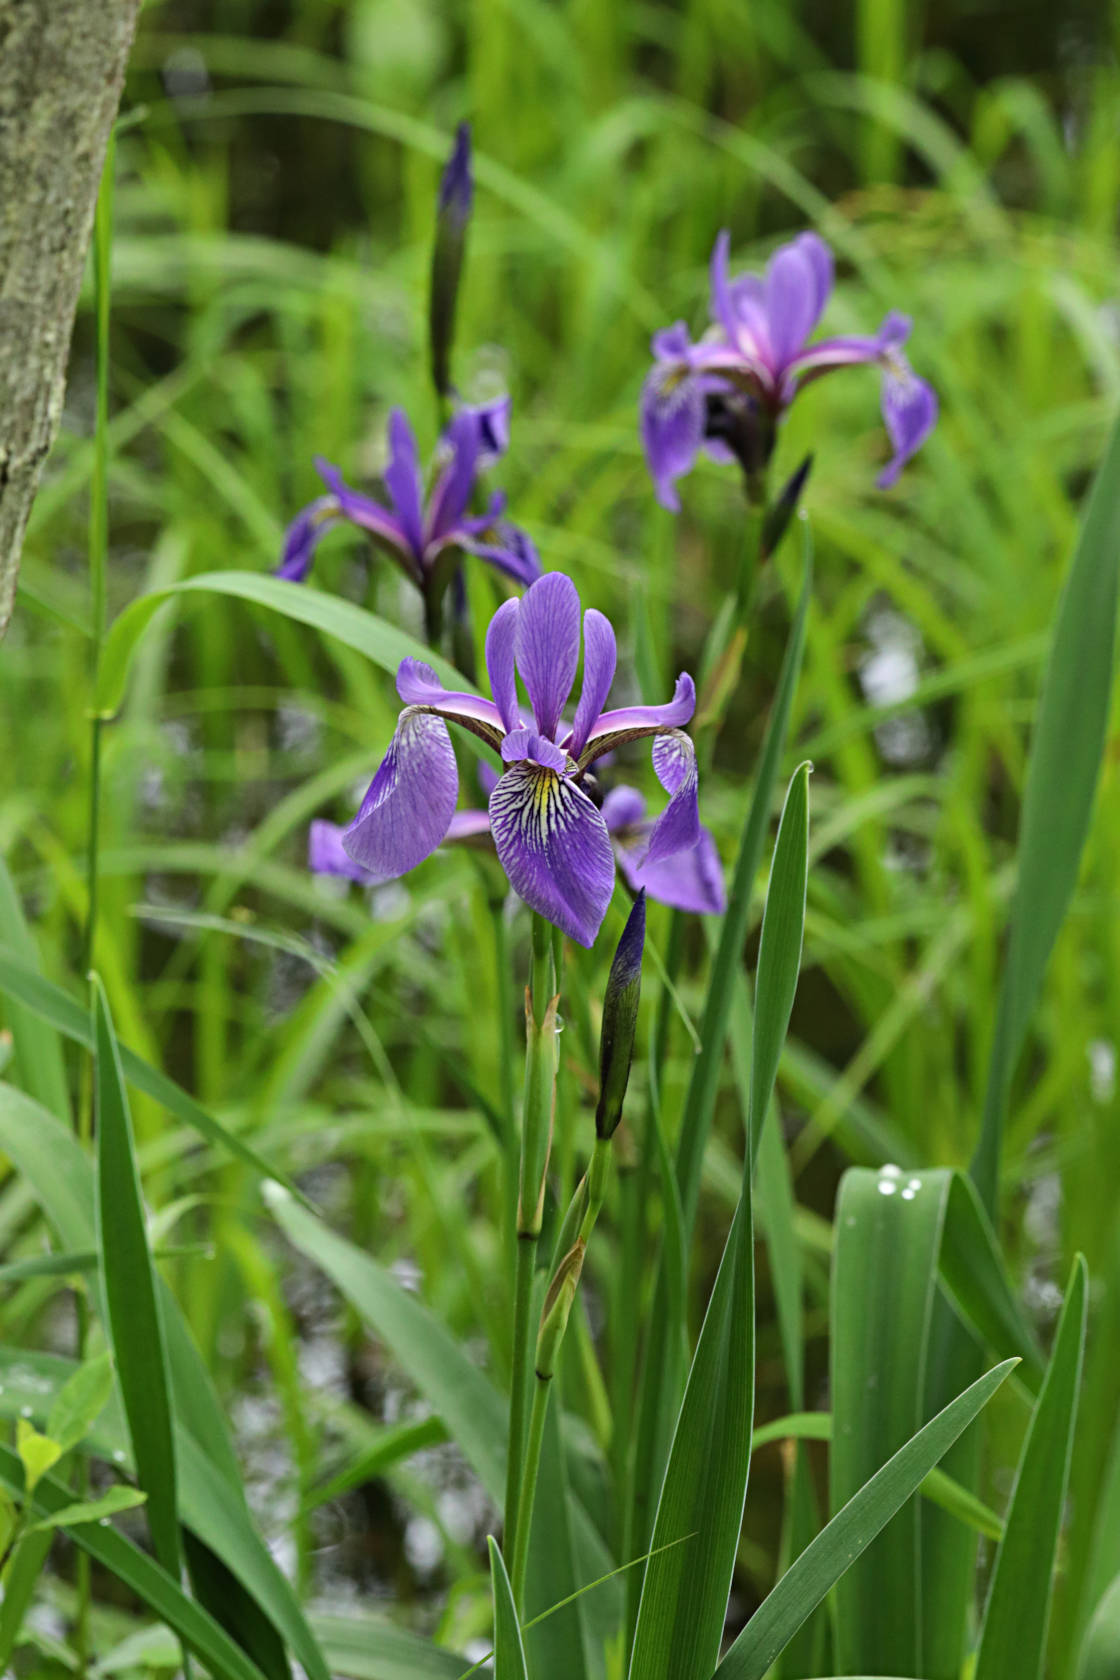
(620, 1020)
(456, 192)
(776, 520)
(557, 1309)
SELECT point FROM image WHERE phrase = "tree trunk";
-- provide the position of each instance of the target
(62, 64)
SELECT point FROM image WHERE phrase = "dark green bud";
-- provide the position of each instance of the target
(456, 192)
(776, 520)
(620, 1020)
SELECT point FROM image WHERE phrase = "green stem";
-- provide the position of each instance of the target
(542, 1388)
(536, 1139)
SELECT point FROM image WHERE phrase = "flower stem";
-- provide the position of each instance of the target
(541, 1061)
(554, 1324)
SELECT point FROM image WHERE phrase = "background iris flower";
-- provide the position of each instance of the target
(419, 531)
(550, 836)
(728, 391)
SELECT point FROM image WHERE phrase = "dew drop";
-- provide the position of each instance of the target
(909, 1193)
(890, 1171)
(887, 1187)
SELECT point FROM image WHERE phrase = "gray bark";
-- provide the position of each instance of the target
(62, 65)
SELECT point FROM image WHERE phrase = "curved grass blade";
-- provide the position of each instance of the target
(198, 1630)
(1065, 761)
(1100, 1652)
(884, 1274)
(975, 1274)
(380, 641)
(55, 1006)
(1013, 1633)
(509, 1652)
(683, 1604)
(371, 1648)
(823, 1563)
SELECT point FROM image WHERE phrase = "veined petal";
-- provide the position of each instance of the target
(418, 685)
(526, 744)
(403, 481)
(410, 802)
(691, 881)
(554, 846)
(798, 282)
(671, 422)
(909, 414)
(630, 723)
(326, 854)
(511, 550)
(677, 829)
(500, 637)
(600, 656)
(303, 536)
(546, 643)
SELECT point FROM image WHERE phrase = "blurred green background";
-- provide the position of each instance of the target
(276, 172)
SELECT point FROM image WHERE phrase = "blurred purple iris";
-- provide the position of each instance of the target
(551, 839)
(728, 391)
(417, 530)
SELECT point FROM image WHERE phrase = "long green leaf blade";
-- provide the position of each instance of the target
(1100, 1652)
(509, 1652)
(1065, 761)
(134, 1319)
(824, 1561)
(1013, 1635)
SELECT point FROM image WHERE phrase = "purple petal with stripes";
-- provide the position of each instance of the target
(418, 685)
(410, 802)
(630, 723)
(600, 656)
(500, 666)
(677, 829)
(546, 644)
(553, 845)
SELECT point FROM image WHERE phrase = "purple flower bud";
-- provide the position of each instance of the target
(620, 1020)
(456, 192)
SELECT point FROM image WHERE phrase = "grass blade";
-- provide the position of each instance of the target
(509, 1652)
(134, 1321)
(38, 1050)
(840, 1542)
(888, 1233)
(1013, 1635)
(1065, 761)
(974, 1272)
(1100, 1653)
(683, 1605)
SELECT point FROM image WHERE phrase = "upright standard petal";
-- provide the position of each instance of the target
(677, 829)
(739, 307)
(909, 414)
(793, 297)
(326, 855)
(554, 846)
(631, 723)
(418, 685)
(410, 802)
(501, 669)
(671, 423)
(547, 646)
(403, 480)
(456, 186)
(452, 493)
(600, 656)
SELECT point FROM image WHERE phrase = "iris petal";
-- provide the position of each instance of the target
(631, 723)
(909, 414)
(691, 881)
(600, 656)
(677, 829)
(547, 646)
(500, 665)
(418, 685)
(553, 845)
(672, 427)
(326, 854)
(410, 802)
(403, 481)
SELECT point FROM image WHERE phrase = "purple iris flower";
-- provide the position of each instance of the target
(415, 530)
(691, 880)
(550, 836)
(728, 390)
